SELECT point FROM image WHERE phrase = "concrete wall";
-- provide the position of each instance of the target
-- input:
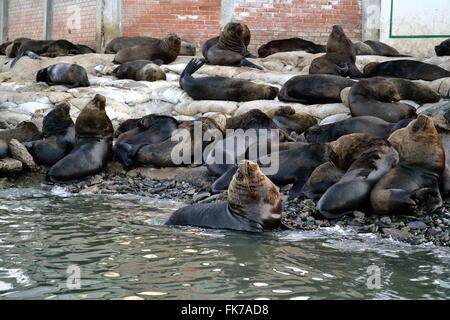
(417, 25)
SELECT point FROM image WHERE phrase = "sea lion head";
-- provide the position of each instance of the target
(173, 41)
(285, 111)
(370, 68)
(246, 34)
(152, 72)
(42, 75)
(382, 89)
(57, 121)
(99, 102)
(419, 144)
(252, 195)
(443, 49)
(233, 29)
(265, 51)
(337, 32)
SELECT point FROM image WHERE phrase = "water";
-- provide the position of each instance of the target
(122, 251)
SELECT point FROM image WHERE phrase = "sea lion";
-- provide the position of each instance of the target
(187, 49)
(353, 190)
(287, 119)
(414, 185)
(378, 97)
(13, 46)
(321, 179)
(291, 44)
(253, 119)
(3, 149)
(340, 57)
(151, 129)
(58, 137)
(245, 36)
(3, 47)
(364, 124)
(127, 125)
(314, 89)
(69, 75)
(406, 69)
(94, 133)
(161, 51)
(221, 88)
(230, 50)
(24, 131)
(376, 48)
(83, 49)
(119, 43)
(443, 49)
(253, 205)
(140, 70)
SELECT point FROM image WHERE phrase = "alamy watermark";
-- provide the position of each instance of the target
(73, 281)
(374, 278)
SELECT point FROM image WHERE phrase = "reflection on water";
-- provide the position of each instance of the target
(123, 251)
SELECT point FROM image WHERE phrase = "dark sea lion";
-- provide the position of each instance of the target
(94, 134)
(24, 131)
(151, 129)
(83, 49)
(93, 122)
(340, 57)
(253, 205)
(13, 47)
(127, 125)
(187, 49)
(414, 185)
(230, 50)
(291, 44)
(378, 97)
(353, 190)
(364, 124)
(382, 49)
(314, 89)
(3, 149)
(58, 137)
(3, 47)
(321, 179)
(140, 70)
(406, 69)
(119, 43)
(221, 88)
(287, 119)
(443, 49)
(70, 75)
(165, 51)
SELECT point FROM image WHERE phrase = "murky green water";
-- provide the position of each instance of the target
(122, 250)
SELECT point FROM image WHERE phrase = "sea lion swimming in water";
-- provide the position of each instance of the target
(253, 205)
(314, 89)
(140, 70)
(221, 88)
(287, 45)
(405, 69)
(57, 137)
(162, 51)
(413, 185)
(443, 49)
(69, 75)
(230, 50)
(340, 57)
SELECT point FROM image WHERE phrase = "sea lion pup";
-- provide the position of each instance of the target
(24, 131)
(253, 205)
(57, 137)
(246, 37)
(187, 49)
(443, 49)
(162, 51)
(221, 88)
(291, 44)
(69, 75)
(287, 119)
(151, 129)
(140, 70)
(412, 186)
(230, 50)
(3, 149)
(94, 134)
(378, 97)
(364, 124)
(406, 69)
(353, 190)
(314, 89)
(376, 48)
(340, 57)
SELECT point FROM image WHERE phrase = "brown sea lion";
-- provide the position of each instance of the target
(378, 97)
(443, 49)
(12, 48)
(253, 205)
(253, 119)
(287, 45)
(24, 131)
(162, 51)
(376, 48)
(93, 122)
(83, 49)
(140, 70)
(406, 69)
(119, 43)
(414, 185)
(322, 178)
(340, 57)
(230, 50)
(221, 88)
(187, 49)
(45, 48)
(69, 75)
(287, 119)
(314, 89)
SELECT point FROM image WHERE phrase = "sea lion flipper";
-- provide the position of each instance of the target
(246, 63)
(297, 188)
(224, 181)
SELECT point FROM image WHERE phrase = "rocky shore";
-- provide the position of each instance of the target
(192, 185)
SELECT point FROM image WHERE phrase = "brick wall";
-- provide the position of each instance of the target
(26, 19)
(310, 19)
(75, 20)
(192, 20)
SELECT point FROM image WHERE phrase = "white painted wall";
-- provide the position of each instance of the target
(417, 19)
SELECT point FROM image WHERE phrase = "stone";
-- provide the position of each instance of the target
(19, 152)
(417, 225)
(9, 165)
(397, 234)
(201, 196)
